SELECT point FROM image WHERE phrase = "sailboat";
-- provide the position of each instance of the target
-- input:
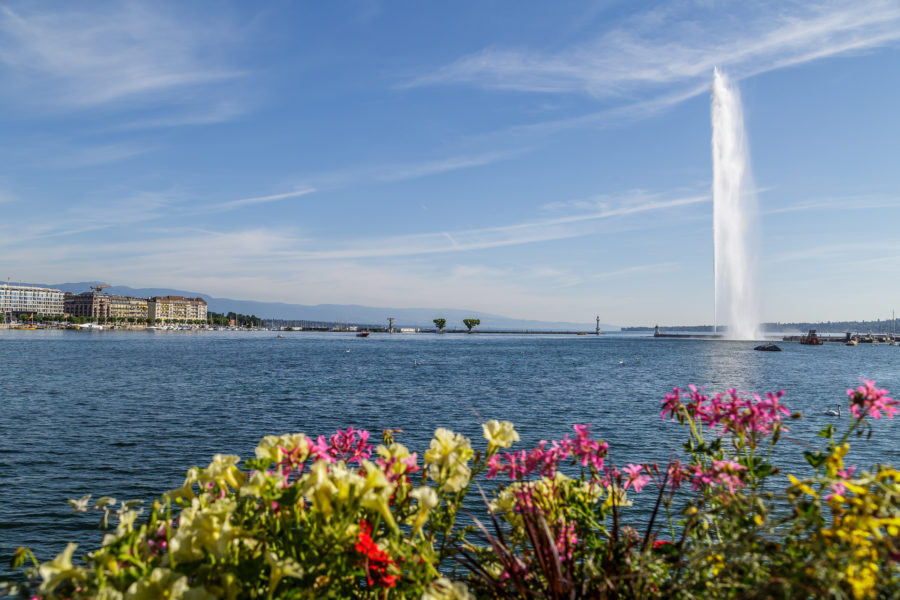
(893, 334)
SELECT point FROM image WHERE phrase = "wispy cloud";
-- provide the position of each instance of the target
(841, 204)
(662, 57)
(64, 155)
(72, 59)
(394, 172)
(424, 169)
(235, 204)
(834, 253)
(556, 228)
(218, 111)
(657, 49)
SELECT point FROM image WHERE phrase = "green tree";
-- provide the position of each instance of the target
(470, 323)
(440, 324)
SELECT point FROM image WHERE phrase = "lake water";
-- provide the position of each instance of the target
(127, 413)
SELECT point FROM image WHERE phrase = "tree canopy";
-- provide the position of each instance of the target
(470, 323)
(440, 324)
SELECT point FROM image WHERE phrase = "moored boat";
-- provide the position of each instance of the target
(811, 339)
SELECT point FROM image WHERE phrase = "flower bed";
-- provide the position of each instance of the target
(341, 517)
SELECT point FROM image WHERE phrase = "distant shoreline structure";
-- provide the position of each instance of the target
(778, 328)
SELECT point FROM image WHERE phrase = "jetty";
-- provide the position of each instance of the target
(866, 338)
(688, 336)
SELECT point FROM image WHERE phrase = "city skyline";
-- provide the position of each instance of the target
(539, 162)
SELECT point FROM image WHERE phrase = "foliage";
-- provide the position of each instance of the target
(470, 323)
(440, 324)
(224, 320)
(341, 518)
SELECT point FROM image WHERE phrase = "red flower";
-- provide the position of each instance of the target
(375, 560)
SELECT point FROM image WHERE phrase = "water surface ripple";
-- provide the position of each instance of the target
(127, 413)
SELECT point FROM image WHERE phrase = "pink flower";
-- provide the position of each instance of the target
(547, 456)
(720, 472)
(635, 479)
(838, 488)
(747, 418)
(566, 539)
(408, 467)
(867, 400)
(350, 445)
(846, 473)
(320, 450)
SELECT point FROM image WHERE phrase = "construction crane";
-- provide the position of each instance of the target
(99, 288)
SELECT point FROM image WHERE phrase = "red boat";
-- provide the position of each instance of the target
(811, 339)
(362, 334)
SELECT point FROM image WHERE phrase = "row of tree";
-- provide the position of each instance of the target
(469, 323)
(229, 318)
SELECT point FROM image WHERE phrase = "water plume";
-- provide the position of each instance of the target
(735, 217)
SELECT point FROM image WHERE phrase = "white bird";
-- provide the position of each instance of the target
(833, 413)
(621, 362)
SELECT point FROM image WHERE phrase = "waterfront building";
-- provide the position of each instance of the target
(92, 305)
(18, 300)
(168, 308)
(126, 307)
(95, 305)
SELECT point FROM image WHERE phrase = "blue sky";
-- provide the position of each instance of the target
(538, 160)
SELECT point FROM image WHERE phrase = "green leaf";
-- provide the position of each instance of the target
(815, 459)
(828, 432)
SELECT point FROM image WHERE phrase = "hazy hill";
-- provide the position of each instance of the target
(345, 313)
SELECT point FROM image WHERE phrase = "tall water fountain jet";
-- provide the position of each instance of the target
(734, 216)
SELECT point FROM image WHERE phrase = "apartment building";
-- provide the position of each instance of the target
(168, 308)
(92, 305)
(16, 300)
(126, 307)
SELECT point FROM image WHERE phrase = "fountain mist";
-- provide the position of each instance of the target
(734, 216)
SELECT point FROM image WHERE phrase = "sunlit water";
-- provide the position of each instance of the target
(126, 414)
(734, 216)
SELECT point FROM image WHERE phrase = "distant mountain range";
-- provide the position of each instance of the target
(345, 313)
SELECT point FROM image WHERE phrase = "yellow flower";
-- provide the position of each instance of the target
(165, 584)
(223, 470)
(260, 482)
(401, 456)
(616, 497)
(108, 593)
(59, 570)
(862, 580)
(281, 568)
(716, 562)
(319, 489)
(444, 589)
(835, 461)
(273, 447)
(447, 460)
(377, 492)
(186, 490)
(499, 434)
(802, 486)
(204, 527)
(505, 501)
(428, 499)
